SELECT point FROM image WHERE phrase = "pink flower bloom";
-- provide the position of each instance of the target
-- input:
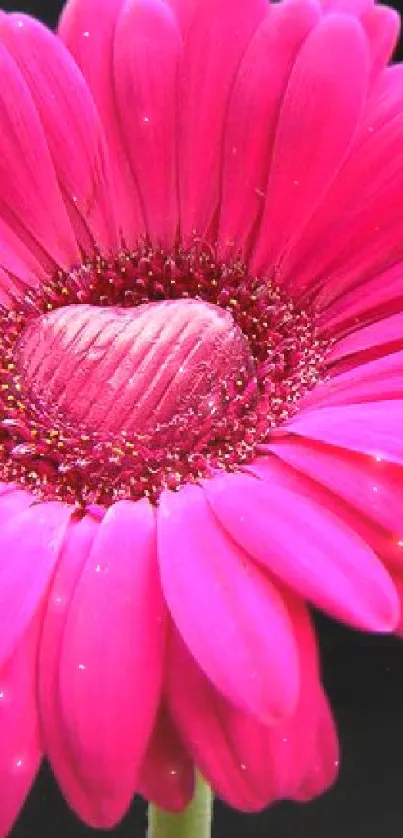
(201, 389)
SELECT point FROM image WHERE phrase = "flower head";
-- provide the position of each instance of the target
(201, 389)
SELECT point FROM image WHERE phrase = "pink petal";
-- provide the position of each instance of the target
(286, 750)
(385, 99)
(371, 428)
(184, 11)
(374, 381)
(73, 555)
(371, 487)
(205, 721)
(217, 39)
(293, 744)
(111, 660)
(398, 580)
(305, 545)
(383, 296)
(20, 269)
(306, 745)
(30, 203)
(146, 58)
(382, 27)
(6, 488)
(226, 610)
(358, 231)
(89, 36)
(388, 546)
(12, 502)
(384, 335)
(379, 24)
(167, 775)
(324, 105)
(247, 764)
(70, 120)
(32, 538)
(324, 765)
(353, 7)
(21, 747)
(253, 113)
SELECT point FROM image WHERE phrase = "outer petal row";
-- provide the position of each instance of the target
(305, 545)
(88, 669)
(90, 38)
(68, 123)
(229, 614)
(81, 194)
(109, 663)
(320, 107)
(101, 651)
(248, 763)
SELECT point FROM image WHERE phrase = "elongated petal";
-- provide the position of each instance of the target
(383, 294)
(375, 381)
(379, 24)
(20, 268)
(167, 774)
(90, 36)
(364, 200)
(383, 335)
(112, 657)
(207, 75)
(385, 100)
(323, 105)
(184, 11)
(227, 612)
(205, 720)
(371, 487)
(305, 545)
(371, 428)
(324, 765)
(387, 546)
(21, 746)
(73, 555)
(253, 114)
(30, 201)
(29, 547)
(292, 744)
(147, 51)
(248, 764)
(70, 120)
(382, 26)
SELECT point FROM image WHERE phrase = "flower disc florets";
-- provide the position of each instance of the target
(272, 357)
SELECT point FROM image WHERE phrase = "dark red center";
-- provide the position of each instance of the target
(146, 371)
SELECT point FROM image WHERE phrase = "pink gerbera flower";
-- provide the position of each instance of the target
(201, 389)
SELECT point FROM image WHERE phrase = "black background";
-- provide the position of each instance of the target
(364, 679)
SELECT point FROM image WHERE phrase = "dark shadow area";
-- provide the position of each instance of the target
(47, 10)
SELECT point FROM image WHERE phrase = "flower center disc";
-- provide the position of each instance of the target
(135, 374)
(111, 369)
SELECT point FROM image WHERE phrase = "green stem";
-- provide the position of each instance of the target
(193, 822)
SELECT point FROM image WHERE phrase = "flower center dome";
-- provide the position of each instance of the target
(113, 369)
(146, 370)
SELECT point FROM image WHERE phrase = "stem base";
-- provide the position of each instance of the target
(193, 822)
